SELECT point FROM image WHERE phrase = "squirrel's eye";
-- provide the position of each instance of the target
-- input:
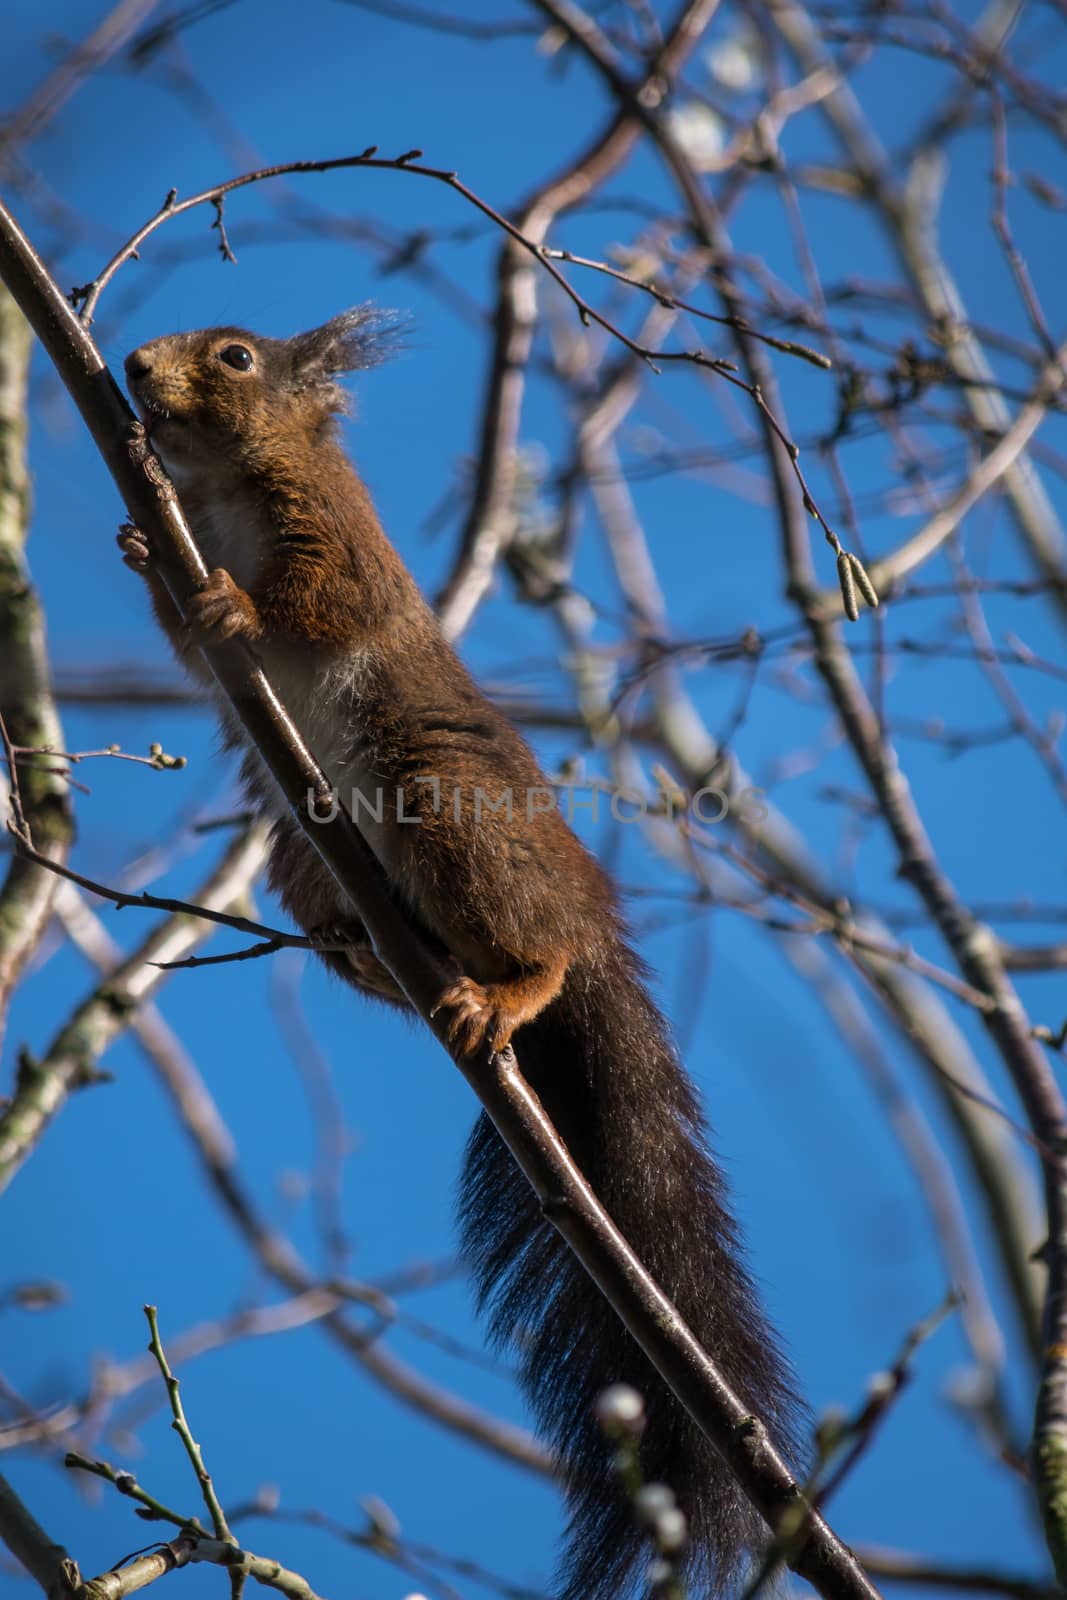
(237, 356)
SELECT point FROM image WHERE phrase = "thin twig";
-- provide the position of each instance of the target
(181, 1427)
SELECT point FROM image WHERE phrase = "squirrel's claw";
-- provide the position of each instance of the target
(136, 552)
(474, 1021)
(220, 609)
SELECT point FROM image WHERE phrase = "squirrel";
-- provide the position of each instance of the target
(500, 886)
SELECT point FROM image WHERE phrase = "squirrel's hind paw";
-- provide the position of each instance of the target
(474, 1020)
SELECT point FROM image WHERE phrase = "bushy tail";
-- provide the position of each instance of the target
(601, 1062)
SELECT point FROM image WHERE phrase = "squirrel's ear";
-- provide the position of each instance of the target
(363, 337)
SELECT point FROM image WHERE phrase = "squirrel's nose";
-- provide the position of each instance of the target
(138, 365)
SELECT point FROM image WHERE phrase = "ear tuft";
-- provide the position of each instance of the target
(363, 337)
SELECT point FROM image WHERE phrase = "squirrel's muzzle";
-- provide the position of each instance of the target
(153, 388)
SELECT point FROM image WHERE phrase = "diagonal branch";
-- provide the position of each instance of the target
(979, 959)
(490, 521)
(45, 1561)
(910, 233)
(105, 41)
(996, 464)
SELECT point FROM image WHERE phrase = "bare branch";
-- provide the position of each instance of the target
(27, 713)
(44, 1560)
(105, 41)
(44, 1084)
(184, 1432)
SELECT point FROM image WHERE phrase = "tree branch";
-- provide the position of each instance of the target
(44, 1560)
(27, 710)
(43, 1085)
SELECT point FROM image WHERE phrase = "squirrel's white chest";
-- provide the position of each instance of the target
(323, 698)
(233, 534)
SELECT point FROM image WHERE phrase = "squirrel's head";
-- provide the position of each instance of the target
(224, 391)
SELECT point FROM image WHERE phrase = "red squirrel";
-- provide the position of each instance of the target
(301, 569)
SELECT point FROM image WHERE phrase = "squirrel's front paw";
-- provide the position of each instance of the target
(222, 610)
(134, 546)
(474, 1020)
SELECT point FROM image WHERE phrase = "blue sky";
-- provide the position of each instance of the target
(111, 1205)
